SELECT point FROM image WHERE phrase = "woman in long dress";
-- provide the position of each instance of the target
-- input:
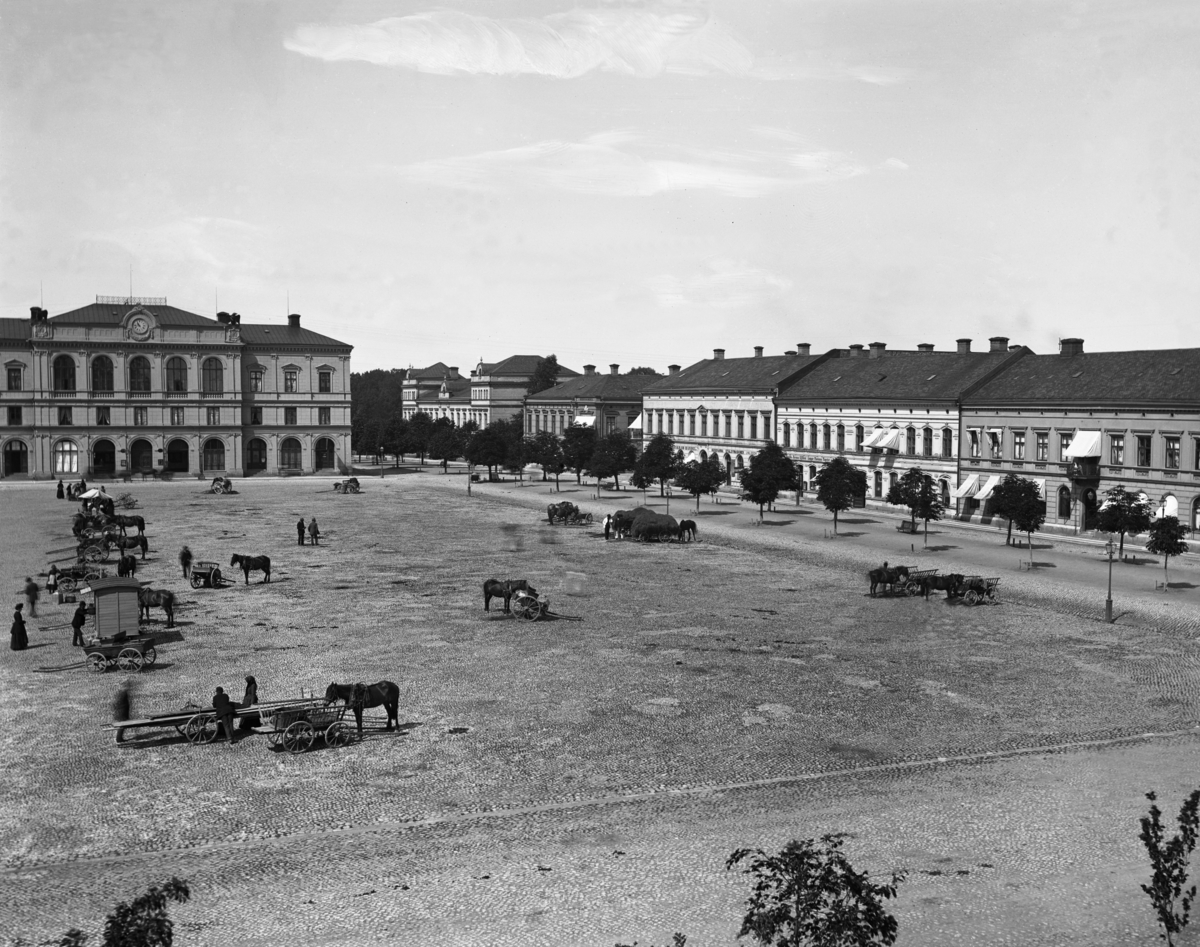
(19, 636)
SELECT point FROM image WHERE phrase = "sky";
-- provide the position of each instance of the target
(613, 182)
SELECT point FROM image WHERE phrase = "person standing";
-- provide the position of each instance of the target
(300, 531)
(250, 699)
(61, 491)
(122, 707)
(78, 620)
(185, 560)
(224, 708)
(31, 596)
(19, 637)
(52, 579)
(607, 525)
(313, 532)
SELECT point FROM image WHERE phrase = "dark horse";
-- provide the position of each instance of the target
(687, 528)
(252, 564)
(127, 565)
(126, 521)
(494, 588)
(887, 577)
(948, 583)
(132, 542)
(360, 696)
(148, 598)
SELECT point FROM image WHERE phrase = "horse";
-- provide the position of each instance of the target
(132, 542)
(127, 565)
(125, 521)
(948, 583)
(886, 577)
(252, 564)
(148, 597)
(687, 528)
(498, 589)
(360, 696)
(561, 511)
(79, 522)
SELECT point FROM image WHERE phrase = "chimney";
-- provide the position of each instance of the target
(758, 351)
(877, 349)
(38, 314)
(294, 320)
(718, 353)
(223, 318)
(999, 343)
(855, 350)
(589, 369)
(1070, 347)
(454, 371)
(613, 369)
(802, 348)
(964, 346)
(925, 347)
(674, 369)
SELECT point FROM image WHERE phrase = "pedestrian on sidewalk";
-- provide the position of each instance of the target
(31, 596)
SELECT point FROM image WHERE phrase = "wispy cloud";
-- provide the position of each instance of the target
(640, 40)
(618, 164)
(217, 247)
(721, 283)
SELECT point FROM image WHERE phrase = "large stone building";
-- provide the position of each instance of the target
(130, 384)
(495, 391)
(439, 390)
(606, 402)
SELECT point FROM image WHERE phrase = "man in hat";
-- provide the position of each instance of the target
(224, 708)
(78, 620)
(31, 596)
(313, 532)
(185, 560)
(300, 531)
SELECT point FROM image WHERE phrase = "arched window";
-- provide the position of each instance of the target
(927, 442)
(213, 454)
(841, 439)
(1064, 503)
(826, 437)
(947, 442)
(878, 484)
(893, 479)
(176, 374)
(64, 373)
(212, 376)
(66, 458)
(944, 488)
(910, 441)
(787, 434)
(812, 472)
(290, 454)
(102, 373)
(740, 464)
(139, 374)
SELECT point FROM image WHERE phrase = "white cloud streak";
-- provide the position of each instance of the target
(722, 284)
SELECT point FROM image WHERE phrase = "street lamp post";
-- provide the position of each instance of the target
(1110, 548)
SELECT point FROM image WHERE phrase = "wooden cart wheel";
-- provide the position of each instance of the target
(587, 518)
(129, 660)
(95, 554)
(202, 728)
(197, 581)
(215, 579)
(66, 584)
(97, 662)
(338, 734)
(972, 597)
(518, 609)
(273, 737)
(534, 611)
(149, 655)
(298, 737)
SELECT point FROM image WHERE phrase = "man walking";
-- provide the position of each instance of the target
(313, 531)
(78, 620)
(185, 560)
(224, 708)
(31, 596)
(300, 531)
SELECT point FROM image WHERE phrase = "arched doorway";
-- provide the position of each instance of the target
(728, 469)
(212, 456)
(16, 458)
(179, 456)
(325, 454)
(1090, 508)
(290, 454)
(878, 484)
(1064, 504)
(104, 458)
(944, 487)
(141, 455)
(256, 454)
(704, 457)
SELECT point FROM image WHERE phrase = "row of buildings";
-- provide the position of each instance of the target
(132, 385)
(1076, 423)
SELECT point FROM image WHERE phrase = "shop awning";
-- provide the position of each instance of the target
(91, 494)
(638, 422)
(964, 489)
(1083, 444)
(992, 482)
(874, 437)
(584, 420)
(890, 440)
(1041, 485)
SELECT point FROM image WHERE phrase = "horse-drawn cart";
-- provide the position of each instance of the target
(129, 654)
(567, 513)
(295, 726)
(194, 723)
(914, 582)
(530, 607)
(979, 590)
(221, 485)
(347, 486)
(206, 575)
(81, 573)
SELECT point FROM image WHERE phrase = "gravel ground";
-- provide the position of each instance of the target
(741, 690)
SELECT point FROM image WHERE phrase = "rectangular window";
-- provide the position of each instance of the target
(256, 415)
(947, 442)
(289, 415)
(704, 425)
(974, 442)
(1143, 447)
(1196, 444)
(325, 382)
(64, 415)
(1171, 459)
(996, 442)
(1116, 450)
(1043, 447)
(177, 418)
(858, 438)
(103, 416)
(1018, 445)
(214, 417)
(323, 417)
(741, 424)
(610, 425)
(141, 417)
(753, 426)
(256, 380)
(289, 382)
(910, 441)
(14, 379)
(927, 442)
(1064, 441)
(692, 423)
(825, 437)
(14, 417)
(670, 422)
(841, 439)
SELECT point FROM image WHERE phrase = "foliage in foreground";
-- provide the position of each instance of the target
(809, 895)
(143, 922)
(1168, 890)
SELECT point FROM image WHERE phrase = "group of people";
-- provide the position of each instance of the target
(313, 532)
(62, 490)
(122, 708)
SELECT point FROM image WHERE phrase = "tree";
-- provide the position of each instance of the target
(545, 450)
(420, 430)
(699, 478)
(1166, 540)
(394, 434)
(641, 370)
(513, 432)
(1168, 893)
(658, 462)
(545, 375)
(446, 443)
(614, 454)
(770, 472)
(487, 448)
(141, 923)
(1013, 495)
(838, 483)
(1124, 513)
(1027, 510)
(809, 895)
(578, 445)
(916, 490)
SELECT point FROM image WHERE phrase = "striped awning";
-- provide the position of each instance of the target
(874, 437)
(992, 482)
(890, 441)
(965, 488)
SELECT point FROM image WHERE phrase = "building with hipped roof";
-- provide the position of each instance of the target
(1084, 423)
(132, 384)
(723, 407)
(886, 411)
(438, 390)
(494, 392)
(607, 402)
